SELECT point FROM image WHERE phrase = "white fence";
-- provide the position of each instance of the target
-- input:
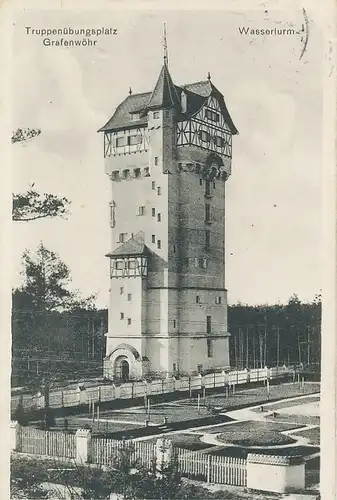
(129, 390)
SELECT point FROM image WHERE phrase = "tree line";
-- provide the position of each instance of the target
(52, 324)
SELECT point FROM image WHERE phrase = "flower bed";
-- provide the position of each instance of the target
(253, 437)
(239, 426)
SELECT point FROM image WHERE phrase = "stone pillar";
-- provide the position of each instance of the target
(83, 446)
(277, 474)
(15, 435)
(164, 451)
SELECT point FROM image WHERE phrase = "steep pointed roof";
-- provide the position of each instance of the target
(134, 246)
(164, 94)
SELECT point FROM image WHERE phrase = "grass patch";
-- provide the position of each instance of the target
(256, 426)
(298, 419)
(312, 434)
(254, 437)
(234, 452)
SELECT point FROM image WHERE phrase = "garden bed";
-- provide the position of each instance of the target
(256, 425)
(241, 452)
(312, 434)
(253, 437)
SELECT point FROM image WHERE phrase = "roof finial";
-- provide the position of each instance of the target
(209, 76)
(130, 90)
(165, 46)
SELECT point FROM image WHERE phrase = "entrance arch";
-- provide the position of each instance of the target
(122, 368)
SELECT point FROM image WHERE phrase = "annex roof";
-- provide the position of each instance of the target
(133, 246)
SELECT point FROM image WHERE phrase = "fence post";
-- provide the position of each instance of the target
(83, 446)
(15, 430)
(209, 468)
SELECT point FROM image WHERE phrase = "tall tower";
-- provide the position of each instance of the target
(168, 155)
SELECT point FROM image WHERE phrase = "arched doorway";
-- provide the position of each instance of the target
(125, 369)
(122, 368)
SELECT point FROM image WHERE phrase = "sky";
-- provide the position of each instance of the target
(273, 197)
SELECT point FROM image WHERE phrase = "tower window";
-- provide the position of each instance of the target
(129, 321)
(141, 210)
(134, 139)
(131, 264)
(204, 136)
(156, 115)
(174, 323)
(207, 188)
(202, 263)
(209, 348)
(146, 171)
(159, 243)
(159, 217)
(120, 141)
(153, 212)
(136, 172)
(153, 185)
(129, 297)
(174, 367)
(122, 315)
(156, 160)
(197, 299)
(126, 173)
(219, 141)
(218, 300)
(159, 190)
(153, 238)
(212, 115)
(200, 182)
(207, 212)
(121, 290)
(199, 368)
(207, 239)
(122, 237)
(209, 324)
(213, 185)
(174, 249)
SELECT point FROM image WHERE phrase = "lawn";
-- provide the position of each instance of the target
(242, 426)
(299, 419)
(246, 397)
(254, 437)
(236, 452)
(187, 441)
(287, 404)
(312, 434)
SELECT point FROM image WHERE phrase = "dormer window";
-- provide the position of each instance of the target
(156, 115)
(134, 116)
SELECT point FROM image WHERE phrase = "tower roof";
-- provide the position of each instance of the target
(164, 94)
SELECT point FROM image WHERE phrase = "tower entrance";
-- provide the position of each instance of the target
(122, 368)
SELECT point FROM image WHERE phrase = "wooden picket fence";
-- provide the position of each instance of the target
(196, 465)
(213, 468)
(39, 442)
(105, 451)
